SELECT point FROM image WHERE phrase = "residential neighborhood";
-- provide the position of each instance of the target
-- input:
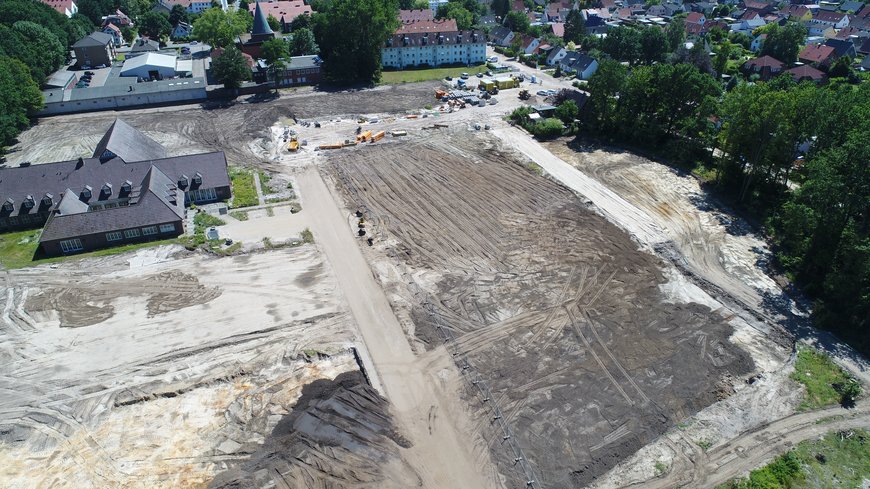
(489, 244)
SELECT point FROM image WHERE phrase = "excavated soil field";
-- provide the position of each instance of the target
(337, 436)
(232, 128)
(556, 308)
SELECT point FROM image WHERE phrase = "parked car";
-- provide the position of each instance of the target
(194, 43)
(185, 50)
(542, 93)
(465, 76)
(492, 59)
(480, 75)
(89, 73)
(448, 78)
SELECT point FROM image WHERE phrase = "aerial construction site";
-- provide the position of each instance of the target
(472, 308)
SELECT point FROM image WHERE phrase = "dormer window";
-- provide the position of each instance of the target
(9, 204)
(28, 202)
(86, 192)
(127, 186)
(47, 199)
(197, 178)
(107, 189)
(183, 181)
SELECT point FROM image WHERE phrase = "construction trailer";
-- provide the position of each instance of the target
(487, 83)
(378, 136)
(504, 82)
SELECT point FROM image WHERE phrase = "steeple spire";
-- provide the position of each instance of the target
(261, 24)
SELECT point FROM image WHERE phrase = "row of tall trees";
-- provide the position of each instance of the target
(34, 42)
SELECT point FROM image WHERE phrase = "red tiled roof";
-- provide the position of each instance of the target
(796, 10)
(764, 62)
(694, 18)
(751, 4)
(558, 28)
(816, 53)
(415, 15)
(864, 13)
(428, 26)
(217, 52)
(59, 5)
(805, 71)
(283, 9)
(827, 16)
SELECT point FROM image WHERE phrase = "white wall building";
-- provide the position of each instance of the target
(434, 49)
(150, 66)
(192, 6)
(434, 4)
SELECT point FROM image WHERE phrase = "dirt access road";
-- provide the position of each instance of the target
(696, 468)
(440, 450)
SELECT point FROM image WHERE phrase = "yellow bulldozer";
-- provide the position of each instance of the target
(293, 145)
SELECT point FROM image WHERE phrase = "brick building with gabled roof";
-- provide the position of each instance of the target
(128, 191)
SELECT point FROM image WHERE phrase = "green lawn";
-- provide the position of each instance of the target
(839, 459)
(17, 249)
(411, 76)
(244, 191)
(819, 374)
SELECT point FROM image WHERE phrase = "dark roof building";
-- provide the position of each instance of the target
(765, 67)
(806, 73)
(129, 190)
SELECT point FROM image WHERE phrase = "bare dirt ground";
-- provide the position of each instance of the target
(580, 298)
(557, 308)
(147, 371)
(234, 128)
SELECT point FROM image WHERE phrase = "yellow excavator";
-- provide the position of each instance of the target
(293, 145)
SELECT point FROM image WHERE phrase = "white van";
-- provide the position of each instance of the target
(492, 59)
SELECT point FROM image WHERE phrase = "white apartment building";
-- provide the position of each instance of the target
(434, 49)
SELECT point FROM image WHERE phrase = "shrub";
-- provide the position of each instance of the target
(548, 128)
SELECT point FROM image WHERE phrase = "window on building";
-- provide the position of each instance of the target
(148, 231)
(71, 245)
(167, 228)
(113, 236)
(131, 233)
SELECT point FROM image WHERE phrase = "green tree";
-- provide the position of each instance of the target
(723, 54)
(19, 97)
(567, 111)
(696, 56)
(178, 14)
(218, 28)
(623, 44)
(35, 46)
(11, 11)
(274, 23)
(463, 17)
(351, 34)
(675, 32)
(547, 128)
(301, 22)
(783, 43)
(575, 27)
(79, 26)
(93, 10)
(154, 24)
(500, 7)
(517, 22)
(653, 45)
(841, 68)
(605, 86)
(303, 43)
(274, 52)
(230, 68)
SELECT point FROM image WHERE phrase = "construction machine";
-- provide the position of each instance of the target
(294, 144)
(525, 95)
(439, 94)
(363, 136)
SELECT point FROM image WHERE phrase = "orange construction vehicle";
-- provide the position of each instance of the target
(363, 136)
(440, 93)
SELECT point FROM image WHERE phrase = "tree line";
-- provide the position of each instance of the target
(34, 42)
(794, 156)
